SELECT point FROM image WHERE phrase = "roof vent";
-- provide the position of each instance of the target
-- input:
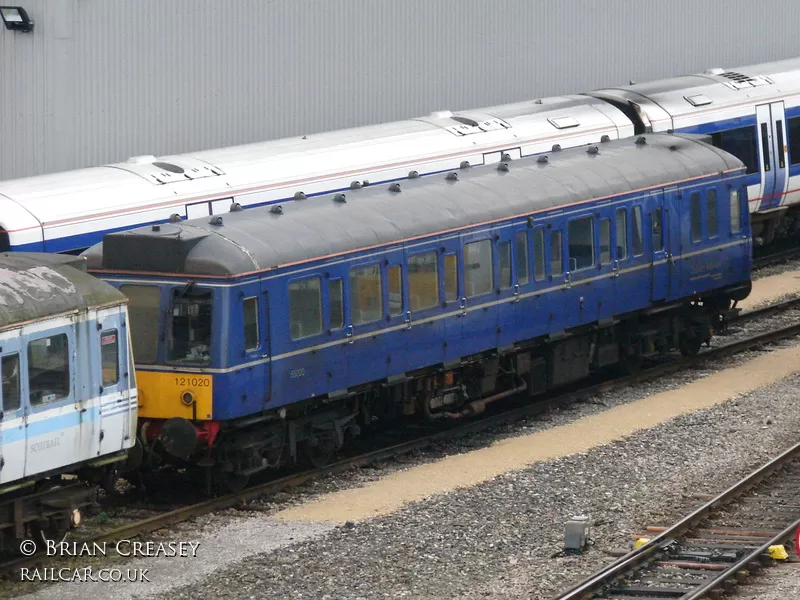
(537, 101)
(340, 198)
(168, 167)
(236, 207)
(464, 164)
(355, 185)
(505, 157)
(141, 160)
(299, 196)
(276, 209)
(216, 221)
(503, 167)
(698, 100)
(365, 183)
(739, 80)
(465, 121)
(441, 114)
(563, 122)
(673, 147)
(156, 227)
(592, 150)
(413, 174)
(174, 218)
(543, 160)
(451, 177)
(395, 187)
(605, 139)
(631, 82)
(641, 140)
(556, 148)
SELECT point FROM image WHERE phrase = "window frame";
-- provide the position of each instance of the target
(695, 210)
(436, 275)
(609, 252)
(490, 244)
(173, 297)
(560, 245)
(294, 281)
(387, 309)
(103, 333)
(31, 338)
(522, 240)
(257, 324)
(343, 311)
(504, 246)
(160, 345)
(712, 197)
(18, 353)
(593, 260)
(638, 222)
(622, 210)
(735, 199)
(444, 278)
(383, 303)
(540, 254)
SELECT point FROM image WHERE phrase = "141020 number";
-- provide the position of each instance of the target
(193, 381)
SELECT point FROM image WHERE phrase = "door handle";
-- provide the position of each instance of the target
(349, 334)
(516, 293)
(567, 279)
(615, 268)
(408, 319)
(463, 306)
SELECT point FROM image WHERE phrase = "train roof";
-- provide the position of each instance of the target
(266, 238)
(34, 286)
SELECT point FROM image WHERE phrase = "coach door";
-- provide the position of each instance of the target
(661, 276)
(771, 130)
(114, 414)
(13, 424)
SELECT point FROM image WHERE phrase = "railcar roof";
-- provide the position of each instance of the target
(35, 286)
(260, 238)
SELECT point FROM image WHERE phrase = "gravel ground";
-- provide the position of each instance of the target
(793, 265)
(494, 540)
(503, 539)
(778, 583)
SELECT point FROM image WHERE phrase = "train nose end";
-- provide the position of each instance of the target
(179, 437)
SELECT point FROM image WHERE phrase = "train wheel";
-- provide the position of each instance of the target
(225, 482)
(320, 454)
(690, 346)
(53, 531)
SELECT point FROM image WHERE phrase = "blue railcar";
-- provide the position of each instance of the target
(267, 334)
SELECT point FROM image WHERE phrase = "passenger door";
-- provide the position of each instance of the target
(110, 353)
(14, 421)
(661, 261)
(249, 353)
(771, 130)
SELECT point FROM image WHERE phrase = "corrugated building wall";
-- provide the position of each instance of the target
(99, 81)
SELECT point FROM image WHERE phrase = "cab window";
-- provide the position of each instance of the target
(189, 332)
(143, 312)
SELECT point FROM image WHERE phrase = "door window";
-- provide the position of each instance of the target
(9, 365)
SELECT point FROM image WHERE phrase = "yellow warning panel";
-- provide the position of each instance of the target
(164, 395)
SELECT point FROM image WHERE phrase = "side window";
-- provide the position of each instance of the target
(423, 281)
(580, 240)
(190, 327)
(658, 229)
(144, 315)
(794, 140)
(305, 308)
(556, 261)
(336, 303)
(621, 233)
(9, 365)
(741, 143)
(521, 257)
(478, 274)
(765, 148)
(450, 277)
(250, 314)
(366, 300)
(697, 217)
(780, 145)
(504, 264)
(109, 355)
(538, 254)
(636, 234)
(605, 241)
(395, 275)
(736, 216)
(711, 212)
(48, 369)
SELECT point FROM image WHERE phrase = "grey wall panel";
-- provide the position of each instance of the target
(101, 80)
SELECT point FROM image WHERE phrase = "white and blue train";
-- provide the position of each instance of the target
(752, 112)
(68, 394)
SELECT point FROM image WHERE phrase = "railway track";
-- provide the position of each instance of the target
(511, 414)
(775, 258)
(719, 545)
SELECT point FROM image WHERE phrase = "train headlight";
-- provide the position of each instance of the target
(187, 398)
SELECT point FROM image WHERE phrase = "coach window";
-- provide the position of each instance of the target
(711, 212)
(504, 264)
(48, 369)
(109, 355)
(521, 257)
(9, 365)
(423, 281)
(736, 212)
(793, 125)
(395, 276)
(621, 233)
(538, 254)
(250, 310)
(450, 277)
(144, 315)
(478, 271)
(765, 148)
(336, 303)
(741, 143)
(696, 216)
(366, 298)
(658, 230)
(189, 341)
(556, 260)
(305, 308)
(636, 234)
(580, 243)
(605, 241)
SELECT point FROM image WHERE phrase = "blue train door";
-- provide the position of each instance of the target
(661, 263)
(14, 424)
(771, 130)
